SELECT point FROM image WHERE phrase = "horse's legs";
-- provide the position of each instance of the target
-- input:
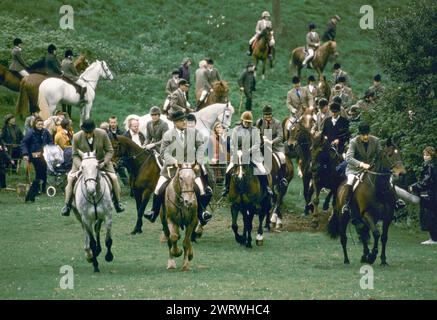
(344, 219)
(376, 235)
(188, 249)
(93, 247)
(384, 238)
(97, 228)
(234, 212)
(108, 241)
(171, 263)
(327, 200)
(88, 252)
(262, 214)
(248, 220)
(307, 192)
(264, 62)
(174, 237)
(87, 111)
(138, 202)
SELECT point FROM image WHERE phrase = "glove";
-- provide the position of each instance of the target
(101, 165)
(150, 146)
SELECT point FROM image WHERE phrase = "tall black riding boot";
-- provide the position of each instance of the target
(156, 207)
(226, 186)
(282, 173)
(33, 191)
(265, 184)
(203, 214)
(250, 51)
(355, 217)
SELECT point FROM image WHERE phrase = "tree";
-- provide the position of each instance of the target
(277, 16)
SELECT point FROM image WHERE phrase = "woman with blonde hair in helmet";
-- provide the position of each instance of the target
(262, 24)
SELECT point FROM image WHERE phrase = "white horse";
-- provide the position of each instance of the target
(206, 118)
(92, 205)
(55, 90)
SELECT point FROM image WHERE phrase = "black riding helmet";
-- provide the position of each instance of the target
(51, 48)
(312, 26)
(68, 53)
(17, 41)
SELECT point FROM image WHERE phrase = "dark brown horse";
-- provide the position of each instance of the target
(324, 162)
(246, 196)
(374, 200)
(261, 50)
(179, 210)
(279, 190)
(298, 135)
(29, 88)
(320, 60)
(220, 94)
(143, 170)
(10, 79)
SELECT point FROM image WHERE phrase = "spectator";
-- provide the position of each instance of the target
(5, 160)
(64, 134)
(134, 133)
(114, 130)
(28, 123)
(184, 71)
(247, 84)
(53, 122)
(105, 126)
(219, 151)
(12, 137)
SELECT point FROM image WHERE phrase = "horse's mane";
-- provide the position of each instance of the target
(220, 86)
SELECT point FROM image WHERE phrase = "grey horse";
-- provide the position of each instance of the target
(92, 205)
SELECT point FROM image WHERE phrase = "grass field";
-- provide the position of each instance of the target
(143, 42)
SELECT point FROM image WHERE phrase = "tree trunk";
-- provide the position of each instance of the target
(277, 22)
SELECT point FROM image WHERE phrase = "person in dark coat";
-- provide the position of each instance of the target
(247, 84)
(134, 133)
(5, 160)
(12, 136)
(184, 71)
(331, 29)
(32, 150)
(427, 188)
(51, 62)
(114, 130)
(336, 128)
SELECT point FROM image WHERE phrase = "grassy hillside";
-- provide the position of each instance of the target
(144, 41)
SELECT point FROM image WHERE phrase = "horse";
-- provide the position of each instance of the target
(324, 161)
(261, 50)
(29, 89)
(10, 79)
(297, 133)
(246, 196)
(279, 190)
(320, 60)
(54, 90)
(179, 210)
(92, 205)
(143, 171)
(206, 118)
(373, 200)
(220, 94)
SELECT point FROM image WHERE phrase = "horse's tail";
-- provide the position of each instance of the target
(333, 229)
(22, 105)
(44, 111)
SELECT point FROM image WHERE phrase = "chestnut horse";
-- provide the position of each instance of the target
(261, 50)
(10, 79)
(320, 60)
(374, 199)
(220, 94)
(143, 171)
(179, 210)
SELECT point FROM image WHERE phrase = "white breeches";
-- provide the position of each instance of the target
(24, 73)
(159, 184)
(199, 184)
(281, 157)
(259, 165)
(350, 179)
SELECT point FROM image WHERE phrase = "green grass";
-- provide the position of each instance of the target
(143, 42)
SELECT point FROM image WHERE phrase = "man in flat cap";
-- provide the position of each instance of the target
(331, 29)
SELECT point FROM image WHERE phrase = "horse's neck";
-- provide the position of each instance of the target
(91, 74)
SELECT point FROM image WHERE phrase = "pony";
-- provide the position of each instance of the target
(261, 50)
(320, 60)
(324, 161)
(179, 210)
(297, 133)
(29, 89)
(374, 200)
(54, 90)
(220, 94)
(92, 205)
(143, 171)
(10, 79)
(206, 118)
(246, 196)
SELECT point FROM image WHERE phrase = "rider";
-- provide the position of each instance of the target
(178, 100)
(299, 99)
(18, 64)
(276, 144)
(71, 75)
(180, 145)
(51, 63)
(202, 81)
(155, 130)
(87, 140)
(313, 43)
(247, 133)
(336, 128)
(261, 25)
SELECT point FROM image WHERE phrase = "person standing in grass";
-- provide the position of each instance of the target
(247, 84)
(427, 188)
(5, 160)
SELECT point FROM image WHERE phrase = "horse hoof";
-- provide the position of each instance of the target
(171, 264)
(346, 262)
(274, 218)
(136, 231)
(109, 257)
(185, 268)
(384, 264)
(248, 245)
(96, 270)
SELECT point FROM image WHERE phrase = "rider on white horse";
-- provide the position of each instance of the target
(90, 139)
(313, 43)
(69, 72)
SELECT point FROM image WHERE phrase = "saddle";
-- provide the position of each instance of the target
(79, 89)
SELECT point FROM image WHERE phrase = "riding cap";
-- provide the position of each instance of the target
(265, 14)
(191, 117)
(250, 64)
(312, 26)
(68, 53)
(364, 128)
(8, 117)
(337, 17)
(155, 110)
(178, 115)
(183, 82)
(311, 78)
(335, 107)
(323, 102)
(377, 77)
(175, 71)
(246, 116)
(17, 41)
(88, 125)
(267, 109)
(369, 93)
(337, 99)
(295, 80)
(51, 48)
(337, 66)
(209, 61)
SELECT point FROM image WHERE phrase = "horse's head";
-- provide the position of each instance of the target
(89, 167)
(105, 72)
(118, 149)
(185, 185)
(391, 159)
(225, 117)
